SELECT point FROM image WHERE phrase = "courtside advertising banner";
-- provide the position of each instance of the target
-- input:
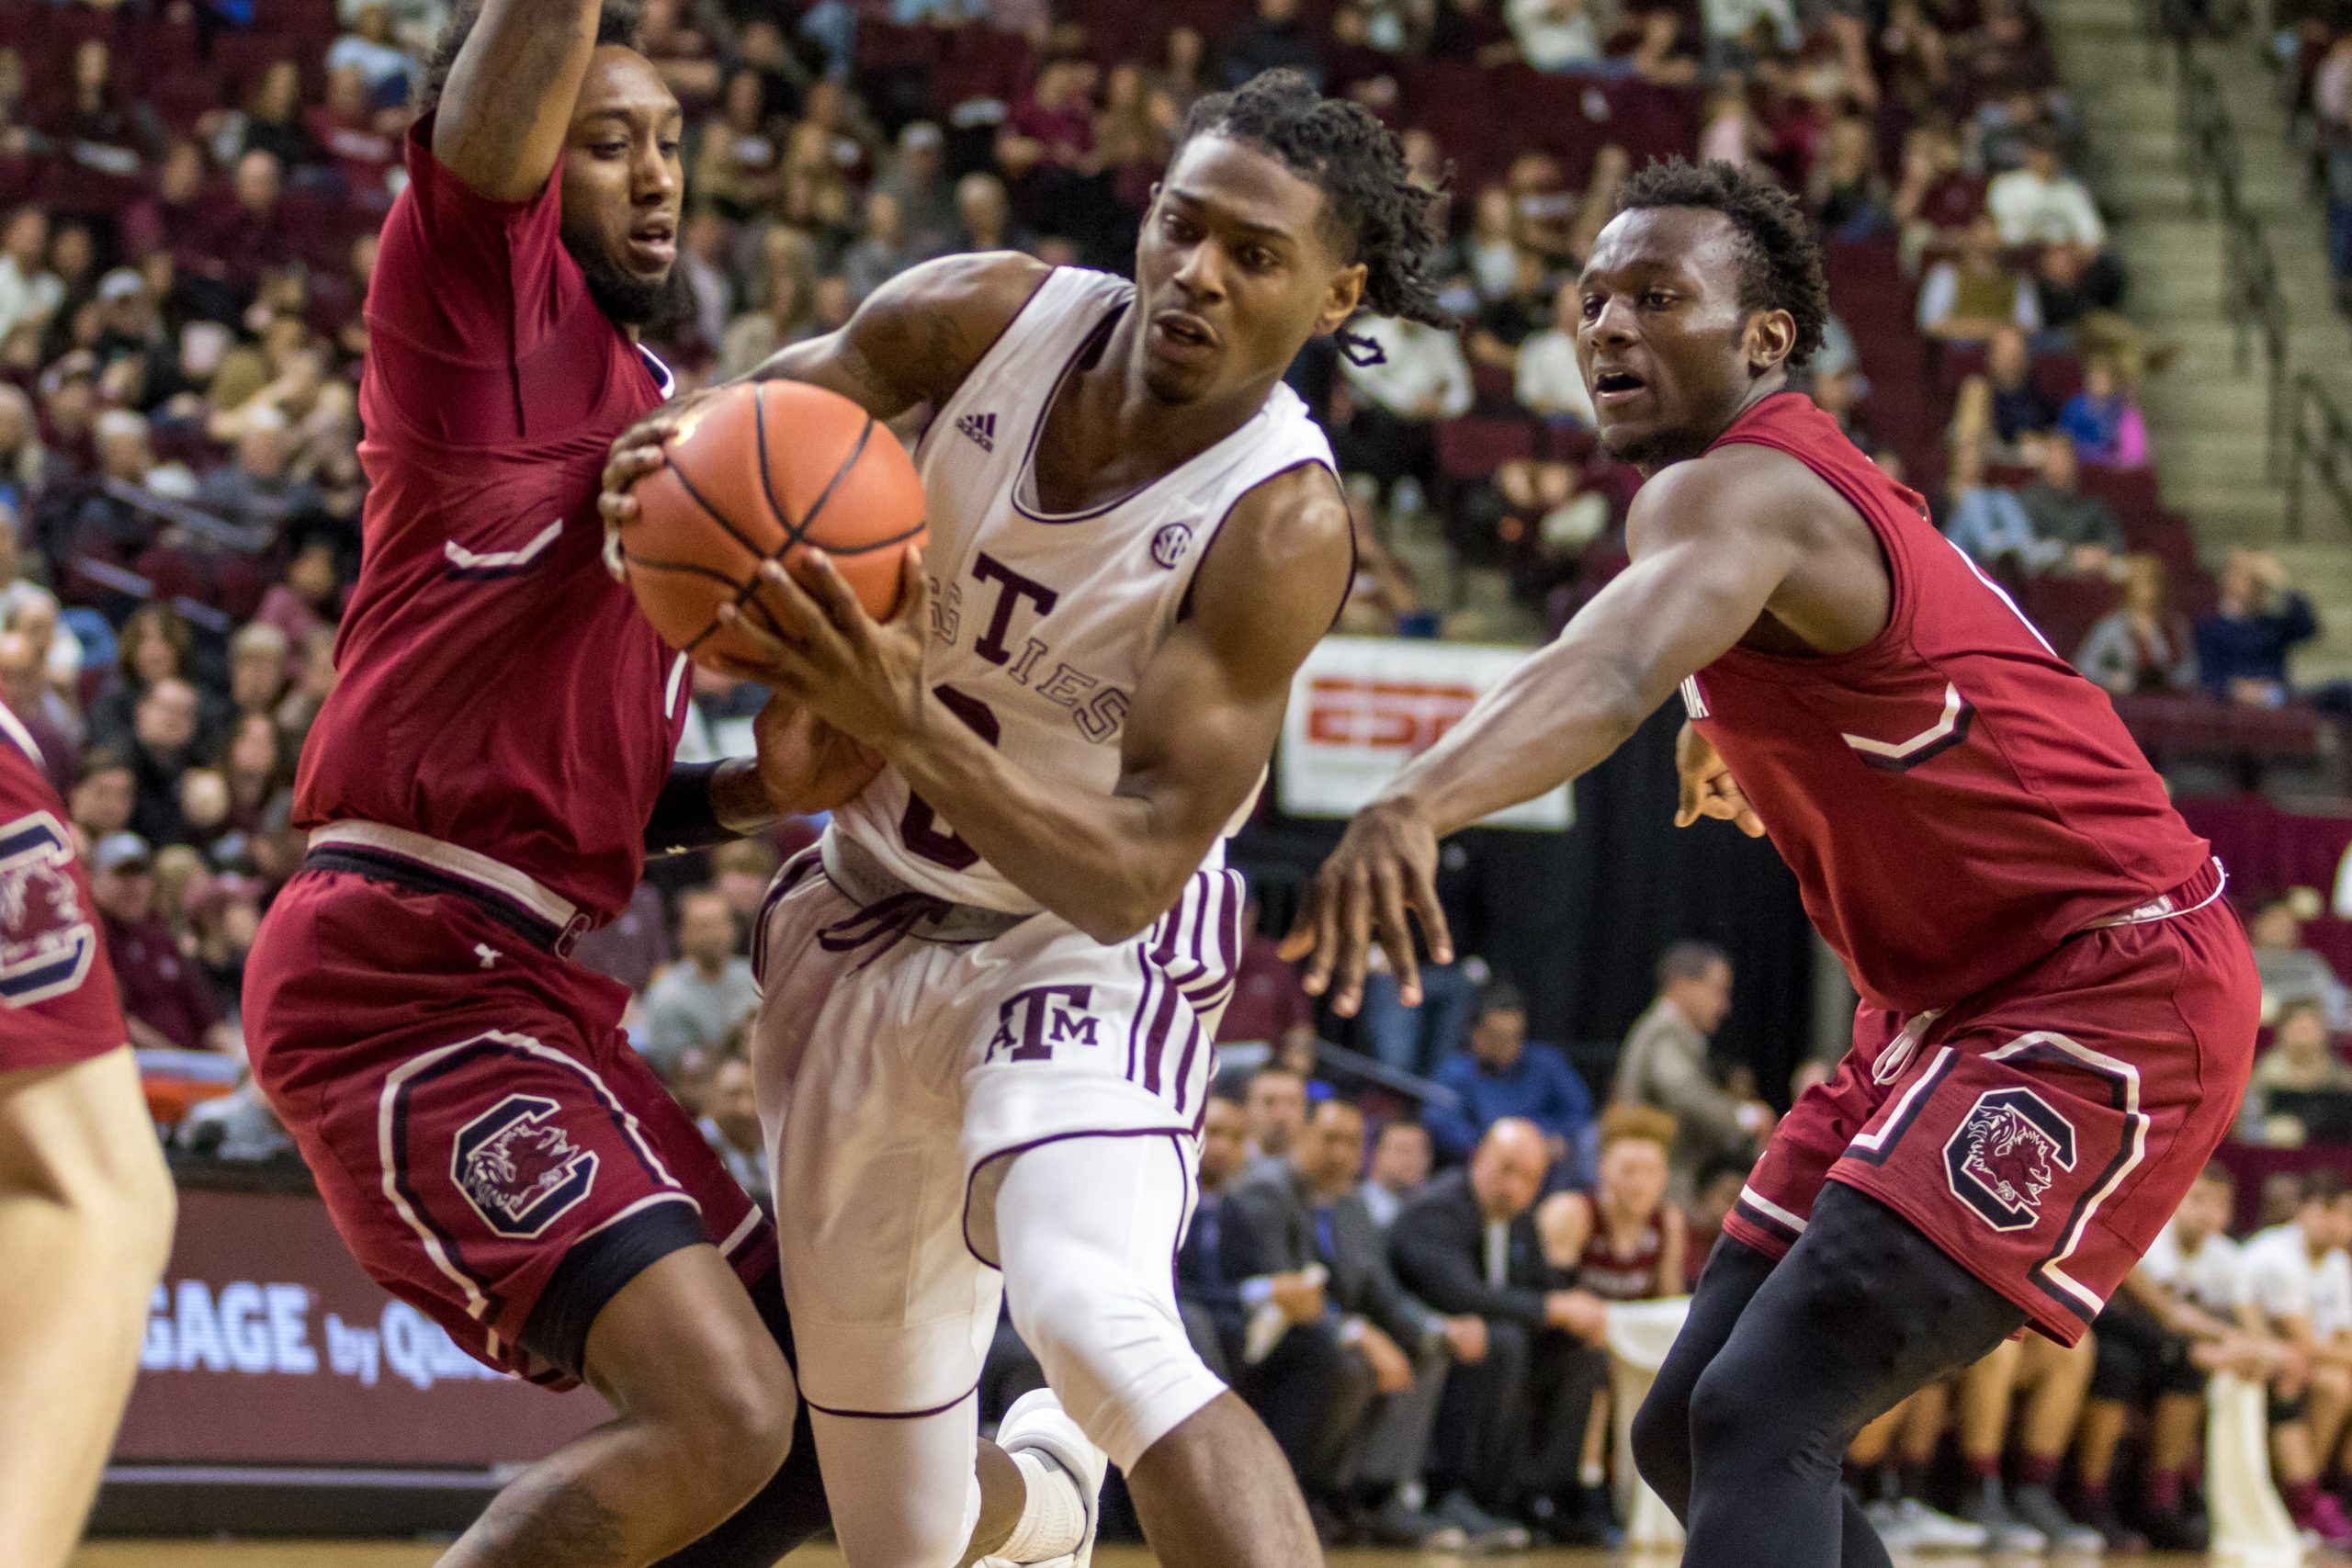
(1362, 707)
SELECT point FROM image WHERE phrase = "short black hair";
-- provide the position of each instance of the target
(1781, 269)
(2324, 1184)
(1501, 996)
(1381, 216)
(1689, 959)
(618, 22)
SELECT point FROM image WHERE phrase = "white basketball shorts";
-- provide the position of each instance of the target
(896, 1076)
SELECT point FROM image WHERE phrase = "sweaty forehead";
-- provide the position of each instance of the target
(1234, 182)
(621, 81)
(1695, 242)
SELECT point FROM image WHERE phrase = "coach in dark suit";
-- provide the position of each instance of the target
(1394, 1350)
(1265, 1330)
(1509, 1428)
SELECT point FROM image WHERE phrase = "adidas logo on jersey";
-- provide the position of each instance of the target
(981, 427)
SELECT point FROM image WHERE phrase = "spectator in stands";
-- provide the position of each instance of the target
(166, 1001)
(1664, 1063)
(1490, 251)
(2041, 204)
(1554, 35)
(221, 263)
(103, 795)
(917, 179)
(703, 997)
(1303, 1213)
(356, 136)
(2103, 421)
(730, 1124)
(1975, 295)
(1847, 193)
(25, 691)
(985, 214)
(2242, 645)
(739, 169)
(1987, 520)
(2143, 645)
(1269, 1005)
(1266, 1334)
(163, 745)
(257, 491)
(1503, 324)
(882, 249)
(371, 47)
(1420, 377)
(2296, 1286)
(1467, 1244)
(2081, 531)
(1381, 600)
(1275, 39)
(2299, 1060)
(1501, 1074)
(1471, 32)
(2176, 1316)
(1546, 378)
(101, 128)
(2290, 972)
(22, 457)
(30, 292)
(1622, 1241)
(271, 122)
(1277, 1110)
(1401, 1159)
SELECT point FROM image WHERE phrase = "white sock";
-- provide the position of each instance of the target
(1053, 1512)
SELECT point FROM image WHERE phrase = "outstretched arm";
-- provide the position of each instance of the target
(507, 105)
(1204, 720)
(1713, 542)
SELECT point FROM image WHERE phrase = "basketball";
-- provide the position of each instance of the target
(753, 474)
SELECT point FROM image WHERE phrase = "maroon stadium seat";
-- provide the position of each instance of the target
(1473, 448)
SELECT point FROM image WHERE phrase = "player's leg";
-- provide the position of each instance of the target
(2056, 1377)
(1085, 1228)
(706, 1406)
(85, 1224)
(1864, 1311)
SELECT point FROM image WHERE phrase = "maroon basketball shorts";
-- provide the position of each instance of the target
(2042, 1131)
(492, 1149)
(57, 993)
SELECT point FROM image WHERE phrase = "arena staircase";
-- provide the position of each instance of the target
(2221, 236)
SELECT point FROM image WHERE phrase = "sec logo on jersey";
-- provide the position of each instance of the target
(1168, 545)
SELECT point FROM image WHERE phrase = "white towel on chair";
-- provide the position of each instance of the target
(2251, 1528)
(1640, 1333)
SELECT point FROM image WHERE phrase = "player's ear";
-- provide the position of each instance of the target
(1771, 338)
(1339, 302)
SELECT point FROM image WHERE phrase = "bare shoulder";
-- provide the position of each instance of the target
(1279, 565)
(1296, 516)
(1739, 490)
(930, 324)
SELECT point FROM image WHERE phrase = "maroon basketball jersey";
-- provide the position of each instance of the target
(1627, 1276)
(498, 689)
(57, 995)
(1954, 799)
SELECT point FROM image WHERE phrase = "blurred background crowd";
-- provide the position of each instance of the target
(1410, 1223)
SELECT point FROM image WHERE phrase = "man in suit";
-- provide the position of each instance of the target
(1264, 1328)
(1394, 1350)
(1664, 1064)
(1510, 1426)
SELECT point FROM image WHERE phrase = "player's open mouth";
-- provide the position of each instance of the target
(655, 245)
(1616, 386)
(1182, 336)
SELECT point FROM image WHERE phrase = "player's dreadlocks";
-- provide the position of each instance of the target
(1780, 266)
(1381, 217)
(618, 22)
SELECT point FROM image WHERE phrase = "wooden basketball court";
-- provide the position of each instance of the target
(402, 1555)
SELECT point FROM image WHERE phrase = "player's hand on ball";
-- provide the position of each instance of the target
(861, 676)
(1385, 865)
(805, 763)
(636, 453)
(1708, 788)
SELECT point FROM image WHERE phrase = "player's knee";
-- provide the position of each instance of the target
(735, 1431)
(1731, 1415)
(1114, 1354)
(1661, 1437)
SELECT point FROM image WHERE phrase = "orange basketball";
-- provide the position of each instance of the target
(753, 474)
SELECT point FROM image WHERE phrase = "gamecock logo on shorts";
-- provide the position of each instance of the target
(2005, 1154)
(519, 1169)
(46, 943)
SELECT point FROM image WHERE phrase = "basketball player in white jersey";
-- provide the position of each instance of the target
(990, 993)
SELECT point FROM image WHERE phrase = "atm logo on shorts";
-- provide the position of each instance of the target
(2005, 1154)
(519, 1170)
(47, 942)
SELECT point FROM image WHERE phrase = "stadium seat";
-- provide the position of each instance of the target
(1473, 448)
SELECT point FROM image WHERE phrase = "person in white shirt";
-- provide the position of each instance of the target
(1553, 35)
(28, 290)
(2175, 1317)
(1547, 381)
(1404, 378)
(2041, 204)
(2295, 1284)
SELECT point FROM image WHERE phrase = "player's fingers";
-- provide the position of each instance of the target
(816, 574)
(914, 589)
(799, 615)
(1323, 914)
(1423, 890)
(1396, 936)
(1354, 936)
(618, 508)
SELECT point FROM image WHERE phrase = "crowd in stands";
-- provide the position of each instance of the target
(1411, 1294)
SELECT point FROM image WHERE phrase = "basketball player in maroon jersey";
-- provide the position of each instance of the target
(85, 1203)
(482, 787)
(2058, 1010)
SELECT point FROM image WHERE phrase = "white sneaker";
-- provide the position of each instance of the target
(1928, 1530)
(1037, 1421)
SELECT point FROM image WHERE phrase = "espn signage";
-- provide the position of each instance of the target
(265, 1344)
(1361, 707)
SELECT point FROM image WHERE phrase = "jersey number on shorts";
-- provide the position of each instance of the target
(919, 829)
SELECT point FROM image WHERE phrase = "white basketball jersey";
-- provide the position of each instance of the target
(1042, 623)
